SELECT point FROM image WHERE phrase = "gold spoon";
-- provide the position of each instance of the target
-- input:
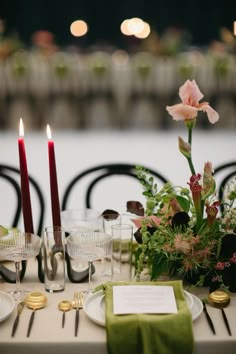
(64, 306)
(34, 301)
(221, 299)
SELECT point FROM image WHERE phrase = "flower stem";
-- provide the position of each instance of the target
(189, 159)
(190, 130)
(192, 169)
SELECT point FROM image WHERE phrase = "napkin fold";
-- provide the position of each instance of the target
(149, 333)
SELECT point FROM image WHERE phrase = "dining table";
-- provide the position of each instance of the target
(48, 336)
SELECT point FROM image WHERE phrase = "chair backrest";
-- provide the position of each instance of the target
(99, 173)
(224, 175)
(11, 175)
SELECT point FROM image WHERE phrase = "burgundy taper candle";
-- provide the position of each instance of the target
(55, 204)
(25, 189)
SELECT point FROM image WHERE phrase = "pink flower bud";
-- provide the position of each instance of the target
(184, 147)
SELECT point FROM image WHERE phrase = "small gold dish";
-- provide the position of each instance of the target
(36, 300)
(219, 298)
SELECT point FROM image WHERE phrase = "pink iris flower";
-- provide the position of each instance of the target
(188, 109)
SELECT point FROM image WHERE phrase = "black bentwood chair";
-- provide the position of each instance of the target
(95, 175)
(11, 175)
(100, 172)
(225, 175)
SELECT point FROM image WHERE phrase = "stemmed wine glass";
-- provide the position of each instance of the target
(89, 246)
(16, 247)
(81, 220)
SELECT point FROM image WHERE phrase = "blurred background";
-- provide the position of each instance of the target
(82, 65)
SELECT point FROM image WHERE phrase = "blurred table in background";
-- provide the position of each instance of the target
(105, 91)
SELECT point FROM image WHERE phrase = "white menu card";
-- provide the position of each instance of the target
(129, 299)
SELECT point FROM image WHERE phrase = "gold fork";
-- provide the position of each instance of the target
(77, 304)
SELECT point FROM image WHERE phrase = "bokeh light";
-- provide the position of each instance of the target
(78, 28)
(124, 28)
(135, 25)
(145, 32)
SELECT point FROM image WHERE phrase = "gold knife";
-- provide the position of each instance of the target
(20, 307)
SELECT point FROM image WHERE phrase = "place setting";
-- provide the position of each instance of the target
(94, 306)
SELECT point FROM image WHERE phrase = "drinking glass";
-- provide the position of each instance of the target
(81, 220)
(54, 258)
(16, 247)
(89, 246)
(110, 218)
(74, 220)
(122, 252)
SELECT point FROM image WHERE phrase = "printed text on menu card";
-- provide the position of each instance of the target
(129, 299)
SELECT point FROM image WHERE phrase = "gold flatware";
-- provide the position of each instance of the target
(221, 299)
(77, 304)
(64, 306)
(34, 301)
(20, 307)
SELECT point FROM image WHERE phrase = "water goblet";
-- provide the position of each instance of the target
(89, 246)
(81, 220)
(16, 247)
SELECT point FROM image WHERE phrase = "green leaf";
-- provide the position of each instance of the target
(183, 202)
(137, 255)
(159, 265)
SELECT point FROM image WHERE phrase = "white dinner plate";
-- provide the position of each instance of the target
(7, 305)
(94, 307)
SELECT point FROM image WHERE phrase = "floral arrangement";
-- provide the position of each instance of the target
(184, 233)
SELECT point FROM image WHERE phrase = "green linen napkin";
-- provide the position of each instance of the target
(149, 333)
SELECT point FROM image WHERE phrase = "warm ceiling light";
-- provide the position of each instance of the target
(124, 28)
(78, 28)
(135, 25)
(145, 32)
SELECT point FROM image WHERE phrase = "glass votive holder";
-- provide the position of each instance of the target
(122, 252)
(54, 258)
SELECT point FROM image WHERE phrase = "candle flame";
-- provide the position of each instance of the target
(21, 128)
(49, 134)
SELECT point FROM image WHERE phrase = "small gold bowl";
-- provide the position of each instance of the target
(219, 298)
(36, 300)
